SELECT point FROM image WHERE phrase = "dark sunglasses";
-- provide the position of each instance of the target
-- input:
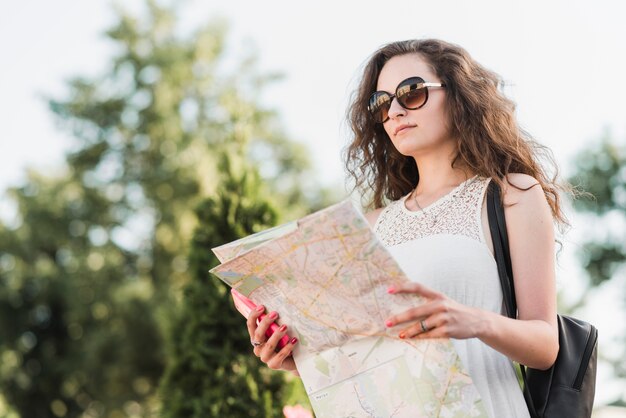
(411, 94)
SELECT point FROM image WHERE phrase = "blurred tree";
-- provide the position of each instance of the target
(601, 171)
(95, 264)
(212, 371)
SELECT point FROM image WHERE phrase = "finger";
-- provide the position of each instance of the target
(272, 342)
(419, 312)
(269, 350)
(437, 332)
(282, 359)
(282, 362)
(252, 318)
(412, 287)
(437, 320)
(258, 350)
(259, 332)
(438, 326)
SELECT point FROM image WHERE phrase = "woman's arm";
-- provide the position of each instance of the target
(532, 339)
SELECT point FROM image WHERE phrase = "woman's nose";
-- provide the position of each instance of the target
(395, 109)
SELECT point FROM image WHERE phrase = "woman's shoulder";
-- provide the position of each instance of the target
(525, 200)
(521, 180)
(521, 188)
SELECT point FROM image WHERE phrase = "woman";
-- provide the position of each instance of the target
(431, 130)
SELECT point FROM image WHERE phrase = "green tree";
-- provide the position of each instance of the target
(601, 171)
(96, 262)
(212, 371)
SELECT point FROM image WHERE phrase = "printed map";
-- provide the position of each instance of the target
(327, 276)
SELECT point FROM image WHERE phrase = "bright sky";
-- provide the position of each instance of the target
(563, 60)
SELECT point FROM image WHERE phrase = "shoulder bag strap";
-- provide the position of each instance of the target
(497, 227)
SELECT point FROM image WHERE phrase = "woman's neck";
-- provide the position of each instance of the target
(437, 176)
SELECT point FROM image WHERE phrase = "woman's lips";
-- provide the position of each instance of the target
(403, 128)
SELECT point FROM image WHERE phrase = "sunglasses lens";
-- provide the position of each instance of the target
(379, 106)
(412, 94)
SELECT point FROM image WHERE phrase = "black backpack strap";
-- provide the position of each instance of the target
(497, 227)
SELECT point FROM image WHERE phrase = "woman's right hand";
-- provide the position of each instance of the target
(266, 350)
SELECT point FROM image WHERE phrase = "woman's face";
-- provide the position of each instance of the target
(414, 132)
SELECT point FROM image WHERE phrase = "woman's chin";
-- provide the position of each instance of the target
(408, 149)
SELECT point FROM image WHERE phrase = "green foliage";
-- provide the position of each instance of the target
(61, 323)
(212, 371)
(602, 173)
(91, 273)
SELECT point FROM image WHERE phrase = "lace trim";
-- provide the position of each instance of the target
(455, 213)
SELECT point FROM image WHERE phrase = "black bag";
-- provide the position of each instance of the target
(566, 389)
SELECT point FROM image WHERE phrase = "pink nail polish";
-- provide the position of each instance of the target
(293, 340)
(402, 335)
(273, 315)
(391, 290)
(282, 328)
(389, 324)
(260, 308)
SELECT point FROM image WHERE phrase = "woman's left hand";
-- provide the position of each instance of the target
(438, 317)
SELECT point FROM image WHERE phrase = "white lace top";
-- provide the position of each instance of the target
(444, 247)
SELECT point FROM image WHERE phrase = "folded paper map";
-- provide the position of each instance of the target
(327, 275)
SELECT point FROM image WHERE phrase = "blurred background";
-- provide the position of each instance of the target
(135, 136)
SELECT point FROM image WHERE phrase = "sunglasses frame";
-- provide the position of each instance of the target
(421, 84)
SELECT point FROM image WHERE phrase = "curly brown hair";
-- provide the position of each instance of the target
(492, 144)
